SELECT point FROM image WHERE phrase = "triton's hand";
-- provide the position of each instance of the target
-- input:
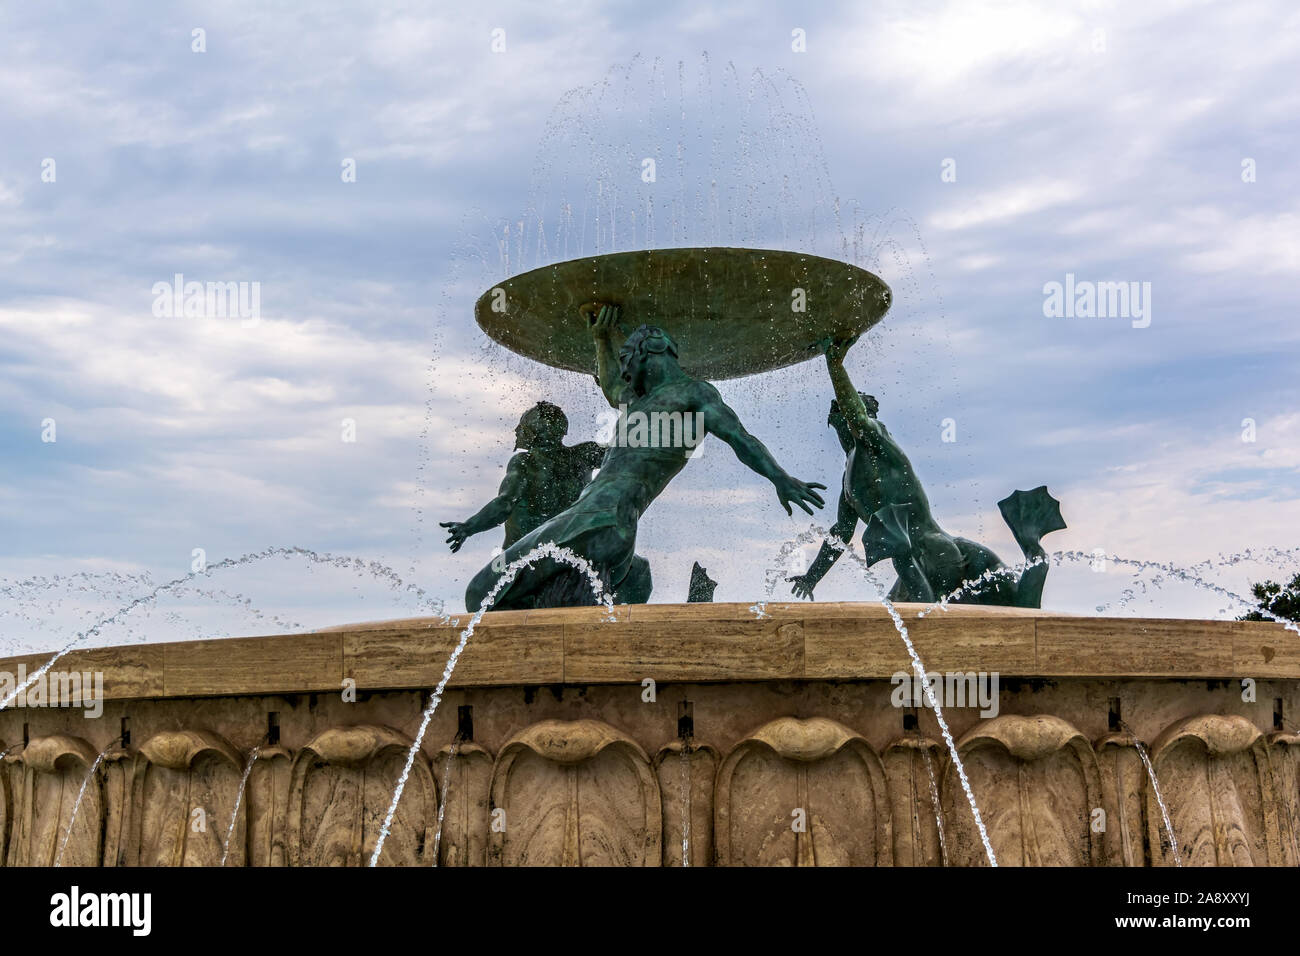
(602, 317)
(799, 492)
(836, 349)
(803, 586)
(459, 531)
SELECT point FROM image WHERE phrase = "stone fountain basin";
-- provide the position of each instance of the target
(788, 712)
(732, 311)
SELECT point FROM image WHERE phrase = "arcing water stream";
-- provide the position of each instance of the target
(507, 577)
(1160, 800)
(339, 561)
(239, 796)
(72, 817)
(819, 535)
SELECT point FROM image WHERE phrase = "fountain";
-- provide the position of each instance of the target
(573, 759)
(531, 780)
(565, 679)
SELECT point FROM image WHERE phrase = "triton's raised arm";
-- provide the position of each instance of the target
(860, 423)
(603, 320)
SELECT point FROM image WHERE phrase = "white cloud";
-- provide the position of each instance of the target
(1010, 202)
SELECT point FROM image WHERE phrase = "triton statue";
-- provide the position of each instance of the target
(541, 481)
(881, 488)
(643, 378)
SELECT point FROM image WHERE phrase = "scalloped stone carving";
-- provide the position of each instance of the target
(574, 793)
(267, 798)
(11, 781)
(341, 786)
(802, 793)
(183, 793)
(1036, 782)
(1285, 750)
(117, 773)
(1123, 786)
(1216, 779)
(54, 769)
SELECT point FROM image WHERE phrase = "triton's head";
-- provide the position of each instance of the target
(645, 347)
(543, 424)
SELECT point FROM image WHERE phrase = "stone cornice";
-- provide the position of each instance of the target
(689, 643)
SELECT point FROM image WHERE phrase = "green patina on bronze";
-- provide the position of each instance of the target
(881, 489)
(732, 312)
(701, 586)
(712, 313)
(541, 481)
(643, 379)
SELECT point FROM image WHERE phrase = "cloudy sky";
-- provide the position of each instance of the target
(971, 153)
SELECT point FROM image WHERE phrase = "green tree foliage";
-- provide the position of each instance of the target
(1284, 601)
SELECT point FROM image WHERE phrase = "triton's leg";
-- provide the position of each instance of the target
(912, 583)
(513, 597)
(520, 594)
(559, 584)
(565, 586)
(976, 560)
(480, 586)
(886, 536)
(636, 586)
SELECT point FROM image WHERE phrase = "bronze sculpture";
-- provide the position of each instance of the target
(643, 377)
(880, 487)
(541, 481)
(734, 312)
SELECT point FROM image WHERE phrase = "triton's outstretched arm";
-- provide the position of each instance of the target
(861, 425)
(829, 553)
(493, 513)
(720, 420)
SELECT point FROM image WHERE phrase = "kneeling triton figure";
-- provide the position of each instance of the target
(642, 378)
(881, 488)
